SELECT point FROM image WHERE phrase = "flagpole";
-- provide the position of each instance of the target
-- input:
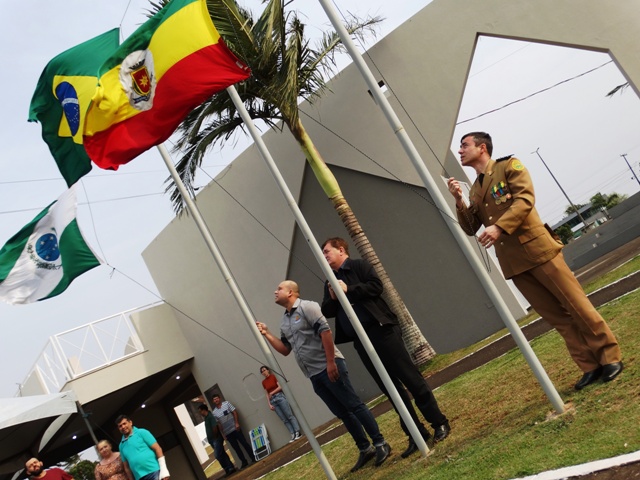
(244, 307)
(328, 273)
(441, 204)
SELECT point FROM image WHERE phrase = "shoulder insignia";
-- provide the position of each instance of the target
(517, 165)
(502, 159)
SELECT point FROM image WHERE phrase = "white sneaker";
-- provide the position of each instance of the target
(297, 436)
(293, 438)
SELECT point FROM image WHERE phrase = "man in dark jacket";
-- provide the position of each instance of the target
(363, 288)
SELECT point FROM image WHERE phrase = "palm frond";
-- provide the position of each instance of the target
(235, 25)
(619, 88)
(321, 65)
(156, 7)
(284, 89)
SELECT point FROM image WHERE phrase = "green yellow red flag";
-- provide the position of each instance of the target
(170, 65)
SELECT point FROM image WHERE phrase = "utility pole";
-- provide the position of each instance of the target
(584, 228)
(624, 155)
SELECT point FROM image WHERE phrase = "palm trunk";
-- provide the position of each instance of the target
(417, 346)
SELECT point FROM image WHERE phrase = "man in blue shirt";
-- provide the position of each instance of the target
(142, 456)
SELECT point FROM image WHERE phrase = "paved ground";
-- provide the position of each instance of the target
(585, 275)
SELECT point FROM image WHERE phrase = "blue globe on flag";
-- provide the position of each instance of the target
(47, 247)
(68, 98)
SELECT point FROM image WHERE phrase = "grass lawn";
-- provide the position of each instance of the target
(502, 423)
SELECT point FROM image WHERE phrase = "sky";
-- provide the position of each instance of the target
(579, 133)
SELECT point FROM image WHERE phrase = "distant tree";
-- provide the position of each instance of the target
(607, 201)
(565, 233)
(83, 470)
(569, 210)
(599, 200)
(615, 199)
(69, 462)
(78, 468)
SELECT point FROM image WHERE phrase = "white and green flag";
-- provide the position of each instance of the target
(43, 258)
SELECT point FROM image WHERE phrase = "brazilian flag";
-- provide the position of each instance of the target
(62, 97)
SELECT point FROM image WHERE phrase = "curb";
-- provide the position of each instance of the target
(585, 468)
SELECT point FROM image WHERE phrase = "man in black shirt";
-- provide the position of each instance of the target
(363, 288)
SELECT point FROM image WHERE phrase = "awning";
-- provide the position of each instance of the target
(24, 422)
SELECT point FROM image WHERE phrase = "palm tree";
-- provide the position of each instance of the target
(285, 69)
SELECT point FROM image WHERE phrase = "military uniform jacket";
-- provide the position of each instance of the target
(506, 199)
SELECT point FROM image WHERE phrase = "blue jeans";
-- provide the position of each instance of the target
(151, 476)
(221, 455)
(344, 403)
(283, 409)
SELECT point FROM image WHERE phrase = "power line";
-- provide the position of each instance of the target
(534, 94)
(103, 175)
(500, 60)
(264, 226)
(87, 203)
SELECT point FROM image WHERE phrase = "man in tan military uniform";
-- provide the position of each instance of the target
(502, 199)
